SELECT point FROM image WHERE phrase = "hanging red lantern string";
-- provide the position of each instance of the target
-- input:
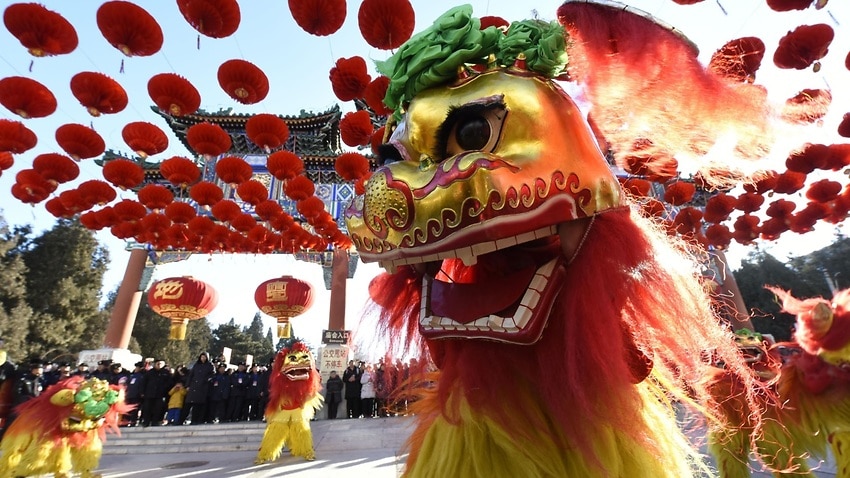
(763, 184)
(252, 191)
(80, 142)
(806, 160)
(781, 209)
(208, 139)
(310, 207)
(200, 225)
(688, 221)
(823, 191)
(129, 28)
(837, 157)
(225, 210)
(174, 94)
(206, 193)
(789, 182)
(41, 31)
(213, 18)
(772, 228)
(155, 196)
(26, 97)
(636, 186)
(155, 224)
(746, 229)
(355, 128)
(803, 46)
(386, 24)
(739, 59)
(99, 93)
(15, 137)
(282, 222)
(377, 140)
(349, 78)
(123, 173)
(145, 139)
(97, 192)
(56, 167)
(284, 165)
(233, 170)
(267, 131)
(749, 202)
(351, 166)
(679, 192)
(107, 217)
(243, 81)
(180, 171)
(73, 201)
(180, 212)
(318, 17)
(299, 188)
(719, 207)
(258, 234)
(719, 236)
(805, 219)
(128, 210)
(55, 207)
(374, 94)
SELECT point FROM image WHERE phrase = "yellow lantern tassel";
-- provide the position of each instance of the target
(283, 328)
(178, 329)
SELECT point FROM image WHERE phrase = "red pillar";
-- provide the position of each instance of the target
(339, 276)
(728, 294)
(127, 302)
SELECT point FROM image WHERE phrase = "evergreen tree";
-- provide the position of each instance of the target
(15, 313)
(65, 268)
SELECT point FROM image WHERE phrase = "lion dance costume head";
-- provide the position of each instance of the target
(293, 400)
(62, 430)
(561, 323)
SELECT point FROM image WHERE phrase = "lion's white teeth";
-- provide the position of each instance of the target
(469, 259)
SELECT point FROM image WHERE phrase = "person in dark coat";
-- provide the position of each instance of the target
(198, 390)
(351, 379)
(238, 391)
(133, 393)
(252, 412)
(157, 382)
(28, 385)
(333, 391)
(219, 393)
(102, 370)
(118, 375)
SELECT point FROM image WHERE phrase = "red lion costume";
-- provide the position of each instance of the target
(63, 429)
(563, 324)
(293, 400)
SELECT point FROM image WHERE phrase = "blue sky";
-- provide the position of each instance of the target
(297, 65)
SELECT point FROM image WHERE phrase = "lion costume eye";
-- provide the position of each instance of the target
(475, 126)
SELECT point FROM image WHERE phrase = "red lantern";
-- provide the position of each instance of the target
(233, 170)
(180, 212)
(386, 24)
(349, 78)
(98, 93)
(174, 94)
(803, 46)
(807, 106)
(209, 139)
(283, 299)
(844, 126)
(374, 95)
(180, 171)
(252, 192)
(243, 81)
(123, 173)
(56, 168)
(788, 5)
(6, 160)
(41, 31)
(738, 59)
(155, 196)
(284, 165)
(145, 139)
(26, 97)
(267, 131)
(15, 137)
(95, 191)
(355, 128)
(80, 142)
(206, 193)
(299, 188)
(318, 17)
(129, 28)
(213, 18)
(351, 166)
(182, 299)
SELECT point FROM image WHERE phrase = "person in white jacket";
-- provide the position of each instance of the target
(367, 392)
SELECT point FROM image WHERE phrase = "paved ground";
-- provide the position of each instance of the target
(364, 448)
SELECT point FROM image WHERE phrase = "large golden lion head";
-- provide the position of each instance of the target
(483, 165)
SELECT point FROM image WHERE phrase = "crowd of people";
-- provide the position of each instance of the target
(213, 392)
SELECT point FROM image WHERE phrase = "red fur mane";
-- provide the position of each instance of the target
(290, 394)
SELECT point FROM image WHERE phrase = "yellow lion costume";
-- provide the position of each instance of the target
(563, 325)
(293, 400)
(62, 430)
(811, 378)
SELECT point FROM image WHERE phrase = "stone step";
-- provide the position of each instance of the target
(186, 439)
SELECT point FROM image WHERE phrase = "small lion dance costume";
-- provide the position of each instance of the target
(62, 430)
(812, 381)
(293, 400)
(561, 322)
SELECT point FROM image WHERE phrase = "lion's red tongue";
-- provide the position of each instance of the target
(465, 302)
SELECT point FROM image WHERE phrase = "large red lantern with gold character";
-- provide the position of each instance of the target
(182, 299)
(284, 298)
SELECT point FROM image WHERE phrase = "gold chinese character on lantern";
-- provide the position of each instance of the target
(168, 290)
(276, 291)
